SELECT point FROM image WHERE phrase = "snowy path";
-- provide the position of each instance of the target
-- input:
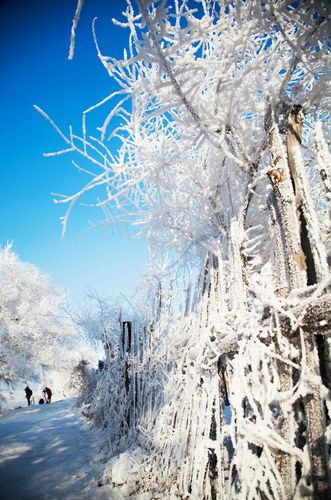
(45, 453)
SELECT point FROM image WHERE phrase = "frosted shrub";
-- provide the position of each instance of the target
(83, 383)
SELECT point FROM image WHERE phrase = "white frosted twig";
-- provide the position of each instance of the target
(103, 101)
(79, 7)
(58, 153)
(45, 115)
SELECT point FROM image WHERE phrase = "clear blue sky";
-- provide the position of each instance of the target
(34, 47)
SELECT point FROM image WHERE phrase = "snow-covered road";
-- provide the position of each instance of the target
(45, 453)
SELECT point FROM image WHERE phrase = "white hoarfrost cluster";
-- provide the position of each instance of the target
(215, 113)
(123, 470)
(34, 339)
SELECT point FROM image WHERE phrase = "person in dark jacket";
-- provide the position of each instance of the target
(28, 394)
(48, 394)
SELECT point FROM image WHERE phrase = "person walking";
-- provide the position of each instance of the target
(48, 395)
(28, 394)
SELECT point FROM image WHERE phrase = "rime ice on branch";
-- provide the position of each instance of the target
(219, 168)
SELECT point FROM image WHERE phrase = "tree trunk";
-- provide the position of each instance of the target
(285, 185)
(285, 462)
(316, 267)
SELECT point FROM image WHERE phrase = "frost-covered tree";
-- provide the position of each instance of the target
(223, 122)
(32, 337)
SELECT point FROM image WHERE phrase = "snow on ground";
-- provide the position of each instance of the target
(45, 453)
